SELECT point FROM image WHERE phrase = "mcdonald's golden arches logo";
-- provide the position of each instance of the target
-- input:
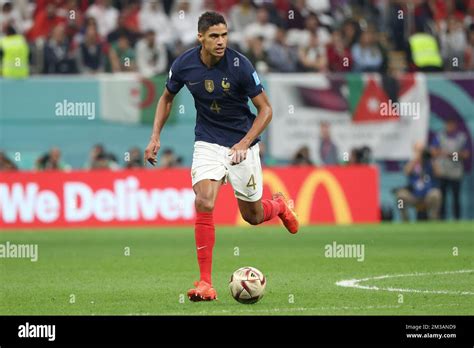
(304, 198)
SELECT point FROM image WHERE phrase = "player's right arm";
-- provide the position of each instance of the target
(162, 113)
(163, 109)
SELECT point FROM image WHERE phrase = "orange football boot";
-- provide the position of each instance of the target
(288, 216)
(203, 291)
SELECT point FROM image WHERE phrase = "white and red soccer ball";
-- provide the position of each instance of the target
(247, 285)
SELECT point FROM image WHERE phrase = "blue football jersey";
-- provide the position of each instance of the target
(220, 94)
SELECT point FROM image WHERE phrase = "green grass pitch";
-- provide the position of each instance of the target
(86, 271)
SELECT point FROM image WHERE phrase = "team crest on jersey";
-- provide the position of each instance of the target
(225, 85)
(209, 84)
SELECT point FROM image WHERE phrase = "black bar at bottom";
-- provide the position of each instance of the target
(329, 330)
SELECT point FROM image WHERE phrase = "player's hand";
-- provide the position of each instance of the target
(151, 151)
(238, 152)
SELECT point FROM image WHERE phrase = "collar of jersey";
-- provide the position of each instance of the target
(213, 66)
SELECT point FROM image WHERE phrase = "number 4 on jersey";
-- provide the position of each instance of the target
(252, 183)
(215, 107)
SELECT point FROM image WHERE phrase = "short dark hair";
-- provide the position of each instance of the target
(208, 19)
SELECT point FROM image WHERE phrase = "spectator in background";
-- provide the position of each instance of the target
(82, 32)
(367, 53)
(74, 17)
(350, 33)
(105, 15)
(320, 6)
(437, 11)
(303, 37)
(130, 15)
(105, 161)
(312, 26)
(91, 58)
(257, 55)
(313, 57)
(422, 11)
(423, 52)
(422, 191)
(51, 161)
(44, 22)
(327, 148)
(297, 15)
(262, 27)
(10, 16)
(453, 44)
(122, 56)
(184, 21)
(450, 148)
(396, 27)
(338, 56)
(301, 157)
(152, 17)
(135, 159)
(176, 50)
(281, 57)
(242, 15)
(360, 155)
(58, 55)
(100, 159)
(14, 53)
(152, 57)
(96, 150)
(275, 13)
(6, 164)
(122, 30)
(469, 54)
(168, 159)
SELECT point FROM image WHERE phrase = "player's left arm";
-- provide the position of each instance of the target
(264, 116)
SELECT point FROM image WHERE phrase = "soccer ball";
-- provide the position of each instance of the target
(247, 285)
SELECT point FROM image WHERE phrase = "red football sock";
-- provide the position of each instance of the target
(271, 209)
(204, 234)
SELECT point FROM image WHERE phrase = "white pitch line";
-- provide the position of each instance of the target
(355, 283)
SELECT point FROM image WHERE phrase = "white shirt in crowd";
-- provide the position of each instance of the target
(267, 31)
(185, 25)
(105, 16)
(301, 38)
(153, 18)
(151, 60)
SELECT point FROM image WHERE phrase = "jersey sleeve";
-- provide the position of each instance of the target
(250, 81)
(174, 83)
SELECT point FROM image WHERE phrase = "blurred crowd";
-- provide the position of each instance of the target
(99, 158)
(90, 36)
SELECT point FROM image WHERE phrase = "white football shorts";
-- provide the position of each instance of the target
(212, 161)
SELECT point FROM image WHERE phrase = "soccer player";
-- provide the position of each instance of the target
(226, 138)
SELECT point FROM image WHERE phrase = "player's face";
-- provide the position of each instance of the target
(214, 40)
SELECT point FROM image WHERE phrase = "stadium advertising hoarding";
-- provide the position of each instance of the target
(339, 195)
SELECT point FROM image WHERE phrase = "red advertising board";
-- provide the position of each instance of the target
(165, 197)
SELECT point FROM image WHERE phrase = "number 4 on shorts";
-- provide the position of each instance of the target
(251, 182)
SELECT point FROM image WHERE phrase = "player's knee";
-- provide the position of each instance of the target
(204, 203)
(252, 219)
